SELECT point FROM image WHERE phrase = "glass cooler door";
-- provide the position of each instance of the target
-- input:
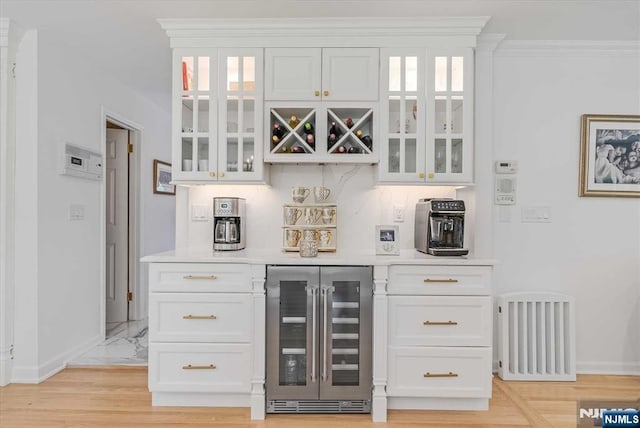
(345, 360)
(292, 332)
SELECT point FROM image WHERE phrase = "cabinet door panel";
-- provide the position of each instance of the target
(292, 74)
(350, 74)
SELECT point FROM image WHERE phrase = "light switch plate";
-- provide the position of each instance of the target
(199, 212)
(536, 214)
(76, 212)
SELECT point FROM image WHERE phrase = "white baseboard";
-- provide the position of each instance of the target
(37, 374)
(608, 368)
(601, 368)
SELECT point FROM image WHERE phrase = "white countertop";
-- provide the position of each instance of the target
(340, 257)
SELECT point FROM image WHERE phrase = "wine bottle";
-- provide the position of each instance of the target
(294, 121)
(311, 140)
(349, 122)
(359, 133)
(341, 149)
(308, 128)
(368, 142)
(334, 134)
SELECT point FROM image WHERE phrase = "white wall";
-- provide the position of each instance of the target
(590, 250)
(63, 260)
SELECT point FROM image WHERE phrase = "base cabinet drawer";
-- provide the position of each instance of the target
(200, 317)
(440, 280)
(200, 277)
(440, 320)
(200, 367)
(439, 372)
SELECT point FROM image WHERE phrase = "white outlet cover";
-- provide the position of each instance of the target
(199, 212)
(398, 213)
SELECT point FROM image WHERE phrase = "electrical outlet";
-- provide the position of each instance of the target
(398, 213)
(199, 212)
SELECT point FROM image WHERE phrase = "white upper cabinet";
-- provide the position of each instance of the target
(217, 115)
(328, 74)
(350, 74)
(293, 74)
(427, 116)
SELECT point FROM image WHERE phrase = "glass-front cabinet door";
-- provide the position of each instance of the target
(194, 114)
(403, 123)
(240, 118)
(450, 127)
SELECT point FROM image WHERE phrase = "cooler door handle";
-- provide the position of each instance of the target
(326, 339)
(314, 328)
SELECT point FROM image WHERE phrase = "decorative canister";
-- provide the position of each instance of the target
(308, 248)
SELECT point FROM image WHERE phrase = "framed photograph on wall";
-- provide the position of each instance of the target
(162, 178)
(610, 155)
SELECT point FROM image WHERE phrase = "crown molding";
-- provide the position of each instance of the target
(554, 48)
(353, 31)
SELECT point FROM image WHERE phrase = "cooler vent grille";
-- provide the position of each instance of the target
(319, 406)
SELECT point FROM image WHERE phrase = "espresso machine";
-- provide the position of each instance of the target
(228, 224)
(439, 227)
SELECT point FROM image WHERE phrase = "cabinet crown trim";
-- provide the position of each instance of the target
(349, 31)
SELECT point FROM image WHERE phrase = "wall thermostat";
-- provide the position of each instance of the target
(506, 167)
(82, 163)
(387, 240)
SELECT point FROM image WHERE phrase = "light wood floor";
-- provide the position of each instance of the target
(118, 397)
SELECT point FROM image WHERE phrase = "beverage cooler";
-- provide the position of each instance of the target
(319, 339)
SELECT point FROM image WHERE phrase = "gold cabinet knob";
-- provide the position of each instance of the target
(431, 175)
(326, 93)
(221, 174)
(421, 175)
(317, 93)
(212, 174)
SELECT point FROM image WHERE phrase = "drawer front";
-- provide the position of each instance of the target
(439, 372)
(200, 317)
(199, 277)
(440, 320)
(440, 280)
(200, 367)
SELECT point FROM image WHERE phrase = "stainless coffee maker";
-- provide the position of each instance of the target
(228, 223)
(439, 227)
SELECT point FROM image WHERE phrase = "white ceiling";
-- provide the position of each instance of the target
(113, 33)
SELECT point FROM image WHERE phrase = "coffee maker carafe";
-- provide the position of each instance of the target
(439, 227)
(228, 223)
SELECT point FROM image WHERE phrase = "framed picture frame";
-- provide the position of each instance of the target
(162, 178)
(387, 240)
(609, 155)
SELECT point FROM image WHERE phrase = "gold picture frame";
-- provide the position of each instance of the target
(609, 155)
(162, 178)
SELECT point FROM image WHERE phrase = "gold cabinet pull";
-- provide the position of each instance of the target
(212, 174)
(450, 374)
(421, 175)
(440, 323)
(326, 93)
(448, 280)
(317, 93)
(431, 175)
(199, 317)
(190, 367)
(200, 277)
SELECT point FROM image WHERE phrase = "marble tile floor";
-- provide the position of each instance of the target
(127, 344)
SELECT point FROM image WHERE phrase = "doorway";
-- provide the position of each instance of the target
(121, 296)
(117, 169)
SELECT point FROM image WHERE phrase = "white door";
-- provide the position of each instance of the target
(117, 177)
